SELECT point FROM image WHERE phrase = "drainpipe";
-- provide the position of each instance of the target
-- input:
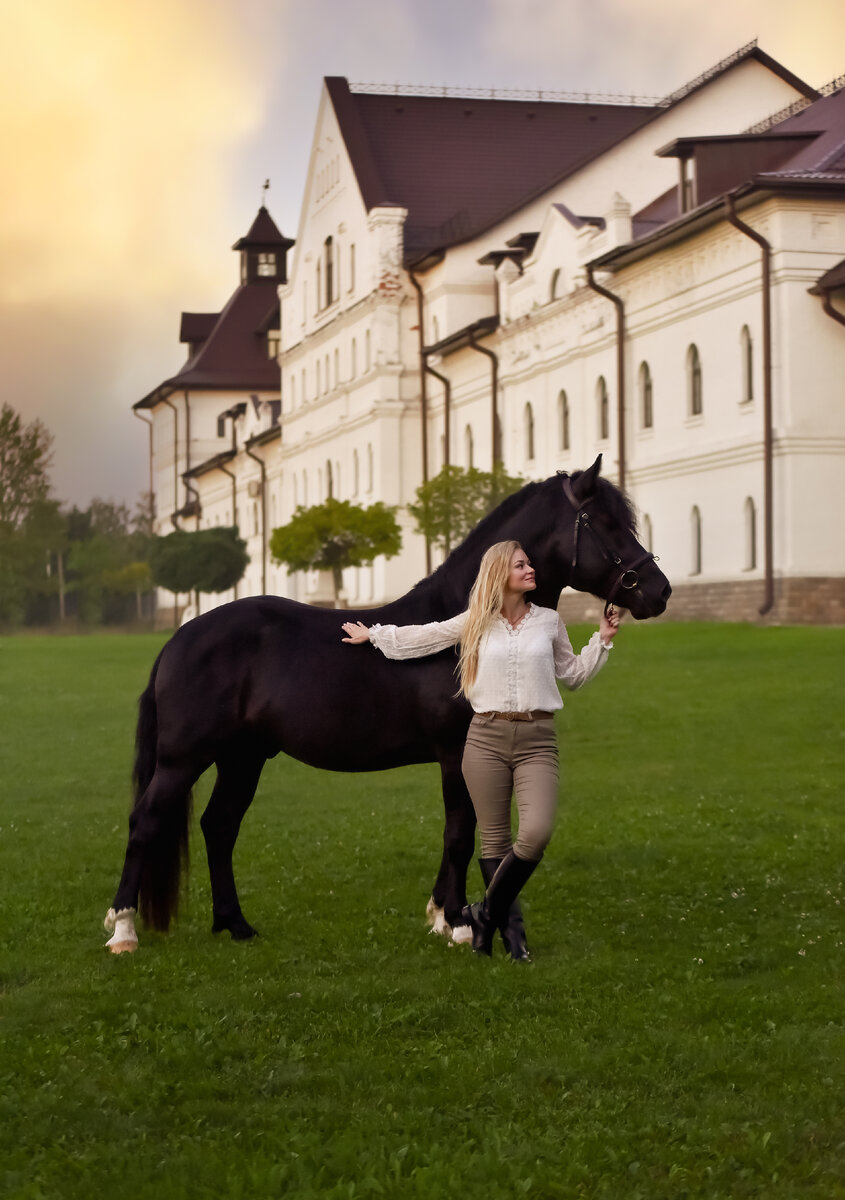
(494, 388)
(768, 523)
(620, 368)
(150, 425)
(231, 475)
(260, 462)
(173, 518)
(423, 398)
(828, 306)
(447, 422)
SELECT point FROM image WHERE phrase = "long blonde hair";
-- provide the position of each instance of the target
(485, 604)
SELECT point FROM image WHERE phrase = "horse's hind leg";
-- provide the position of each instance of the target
(448, 896)
(238, 772)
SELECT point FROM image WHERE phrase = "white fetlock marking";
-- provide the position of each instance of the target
(462, 934)
(121, 925)
(436, 918)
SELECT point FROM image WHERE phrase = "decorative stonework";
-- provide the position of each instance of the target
(387, 225)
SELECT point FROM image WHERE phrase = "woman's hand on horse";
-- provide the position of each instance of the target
(358, 632)
(609, 626)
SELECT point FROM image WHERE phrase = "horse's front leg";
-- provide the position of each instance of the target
(449, 894)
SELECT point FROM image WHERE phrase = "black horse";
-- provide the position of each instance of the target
(238, 685)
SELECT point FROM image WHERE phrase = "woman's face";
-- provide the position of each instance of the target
(521, 574)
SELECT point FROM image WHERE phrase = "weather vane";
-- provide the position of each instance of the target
(265, 189)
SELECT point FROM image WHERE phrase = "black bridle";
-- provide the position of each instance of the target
(628, 578)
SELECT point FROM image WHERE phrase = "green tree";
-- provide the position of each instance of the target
(456, 499)
(25, 511)
(208, 560)
(335, 535)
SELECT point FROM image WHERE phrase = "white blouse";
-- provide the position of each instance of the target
(516, 667)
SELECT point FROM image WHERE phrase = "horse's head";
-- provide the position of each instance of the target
(605, 557)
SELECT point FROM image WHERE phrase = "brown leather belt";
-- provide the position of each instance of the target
(536, 714)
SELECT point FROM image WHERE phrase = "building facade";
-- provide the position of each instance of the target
(541, 282)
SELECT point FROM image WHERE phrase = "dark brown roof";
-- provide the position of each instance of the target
(196, 327)
(460, 165)
(263, 232)
(831, 281)
(234, 355)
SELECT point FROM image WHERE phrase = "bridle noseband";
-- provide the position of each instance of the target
(628, 578)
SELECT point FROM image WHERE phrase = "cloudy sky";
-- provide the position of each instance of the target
(135, 136)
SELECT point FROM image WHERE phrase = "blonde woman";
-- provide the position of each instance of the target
(511, 652)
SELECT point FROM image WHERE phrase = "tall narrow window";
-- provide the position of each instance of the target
(303, 396)
(469, 449)
(352, 267)
(336, 368)
(328, 381)
(329, 253)
(554, 284)
(329, 480)
(562, 421)
(305, 488)
(435, 331)
(750, 534)
(603, 407)
(694, 381)
(317, 378)
(528, 418)
(367, 351)
(647, 535)
(646, 405)
(746, 346)
(353, 359)
(695, 541)
(319, 287)
(356, 482)
(369, 466)
(443, 449)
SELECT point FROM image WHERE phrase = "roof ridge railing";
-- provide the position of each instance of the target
(471, 93)
(546, 94)
(797, 106)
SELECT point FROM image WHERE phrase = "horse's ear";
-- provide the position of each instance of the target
(585, 484)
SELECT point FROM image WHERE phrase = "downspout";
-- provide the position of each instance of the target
(423, 398)
(173, 519)
(189, 487)
(620, 368)
(229, 413)
(828, 306)
(150, 425)
(260, 462)
(447, 421)
(494, 387)
(768, 521)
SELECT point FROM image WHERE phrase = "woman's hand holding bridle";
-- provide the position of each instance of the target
(609, 626)
(358, 632)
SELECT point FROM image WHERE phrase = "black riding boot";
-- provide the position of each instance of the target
(492, 912)
(513, 930)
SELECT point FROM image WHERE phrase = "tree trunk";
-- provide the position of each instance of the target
(337, 577)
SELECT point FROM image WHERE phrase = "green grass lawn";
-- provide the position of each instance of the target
(678, 1035)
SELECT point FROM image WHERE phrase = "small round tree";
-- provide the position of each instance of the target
(208, 560)
(455, 500)
(334, 535)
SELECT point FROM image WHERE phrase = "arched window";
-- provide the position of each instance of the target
(695, 541)
(367, 351)
(750, 534)
(746, 347)
(435, 331)
(528, 418)
(352, 267)
(328, 248)
(255, 518)
(646, 406)
(319, 288)
(369, 466)
(292, 391)
(563, 421)
(468, 447)
(554, 284)
(694, 394)
(603, 407)
(329, 480)
(336, 368)
(356, 482)
(328, 382)
(647, 535)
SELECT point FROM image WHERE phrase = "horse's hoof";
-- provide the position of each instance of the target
(461, 934)
(238, 927)
(436, 918)
(243, 932)
(122, 947)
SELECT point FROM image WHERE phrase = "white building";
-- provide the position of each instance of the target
(543, 281)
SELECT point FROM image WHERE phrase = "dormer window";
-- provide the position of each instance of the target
(274, 342)
(266, 265)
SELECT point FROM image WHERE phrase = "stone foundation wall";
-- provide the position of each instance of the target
(808, 601)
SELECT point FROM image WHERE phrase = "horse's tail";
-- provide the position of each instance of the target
(166, 852)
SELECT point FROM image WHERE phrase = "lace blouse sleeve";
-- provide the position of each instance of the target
(415, 641)
(574, 670)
